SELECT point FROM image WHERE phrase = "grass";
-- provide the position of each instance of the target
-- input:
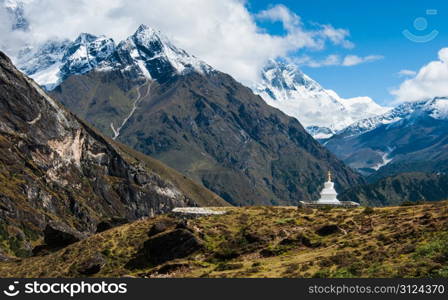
(272, 242)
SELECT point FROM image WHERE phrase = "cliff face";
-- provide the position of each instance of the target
(55, 168)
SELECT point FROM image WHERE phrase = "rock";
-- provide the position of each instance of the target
(267, 253)
(288, 242)
(170, 268)
(328, 229)
(110, 223)
(4, 256)
(183, 224)
(92, 265)
(59, 235)
(283, 233)
(160, 226)
(255, 238)
(41, 250)
(178, 243)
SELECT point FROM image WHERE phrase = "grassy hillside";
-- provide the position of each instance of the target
(408, 241)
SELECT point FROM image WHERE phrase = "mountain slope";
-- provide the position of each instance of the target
(411, 137)
(261, 242)
(56, 169)
(201, 122)
(321, 111)
(396, 189)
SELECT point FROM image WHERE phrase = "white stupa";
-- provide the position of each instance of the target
(328, 195)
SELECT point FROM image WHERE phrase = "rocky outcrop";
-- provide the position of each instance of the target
(110, 223)
(160, 226)
(91, 265)
(56, 168)
(178, 243)
(328, 229)
(60, 235)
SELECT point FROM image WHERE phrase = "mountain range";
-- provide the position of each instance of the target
(162, 101)
(409, 138)
(132, 92)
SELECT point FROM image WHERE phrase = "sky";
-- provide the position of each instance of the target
(376, 28)
(356, 48)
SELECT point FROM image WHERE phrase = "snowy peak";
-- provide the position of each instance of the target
(86, 53)
(436, 108)
(156, 57)
(146, 53)
(321, 111)
(286, 77)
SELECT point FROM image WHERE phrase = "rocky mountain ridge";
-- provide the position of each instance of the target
(145, 54)
(55, 169)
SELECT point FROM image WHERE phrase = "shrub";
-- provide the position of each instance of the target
(368, 210)
(437, 249)
(225, 267)
(322, 273)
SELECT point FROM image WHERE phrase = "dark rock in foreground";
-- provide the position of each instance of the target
(91, 265)
(175, 244)
(59, 235)
(328, 229)
(110, 223)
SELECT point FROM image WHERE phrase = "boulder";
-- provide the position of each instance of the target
(91, 265)
(60, 235)
(178, 243)
(267, 253)
(328, 229)
(110, 223)
(160, 226)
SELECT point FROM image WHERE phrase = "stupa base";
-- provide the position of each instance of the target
(317, 204)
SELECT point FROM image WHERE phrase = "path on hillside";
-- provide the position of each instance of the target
(134, 107)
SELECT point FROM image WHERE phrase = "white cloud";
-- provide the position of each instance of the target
(222, 33)
(353, 60)
(406, 73)
(336, 60)
(337, 36)
(429, 82)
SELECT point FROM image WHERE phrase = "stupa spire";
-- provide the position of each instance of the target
(328, 194)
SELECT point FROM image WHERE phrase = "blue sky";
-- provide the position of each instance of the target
(375, 29)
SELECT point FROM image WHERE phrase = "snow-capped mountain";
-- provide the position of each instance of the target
(437, 108)
(322, 111)
(146, 53)
(410, 137)
(15, 10)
